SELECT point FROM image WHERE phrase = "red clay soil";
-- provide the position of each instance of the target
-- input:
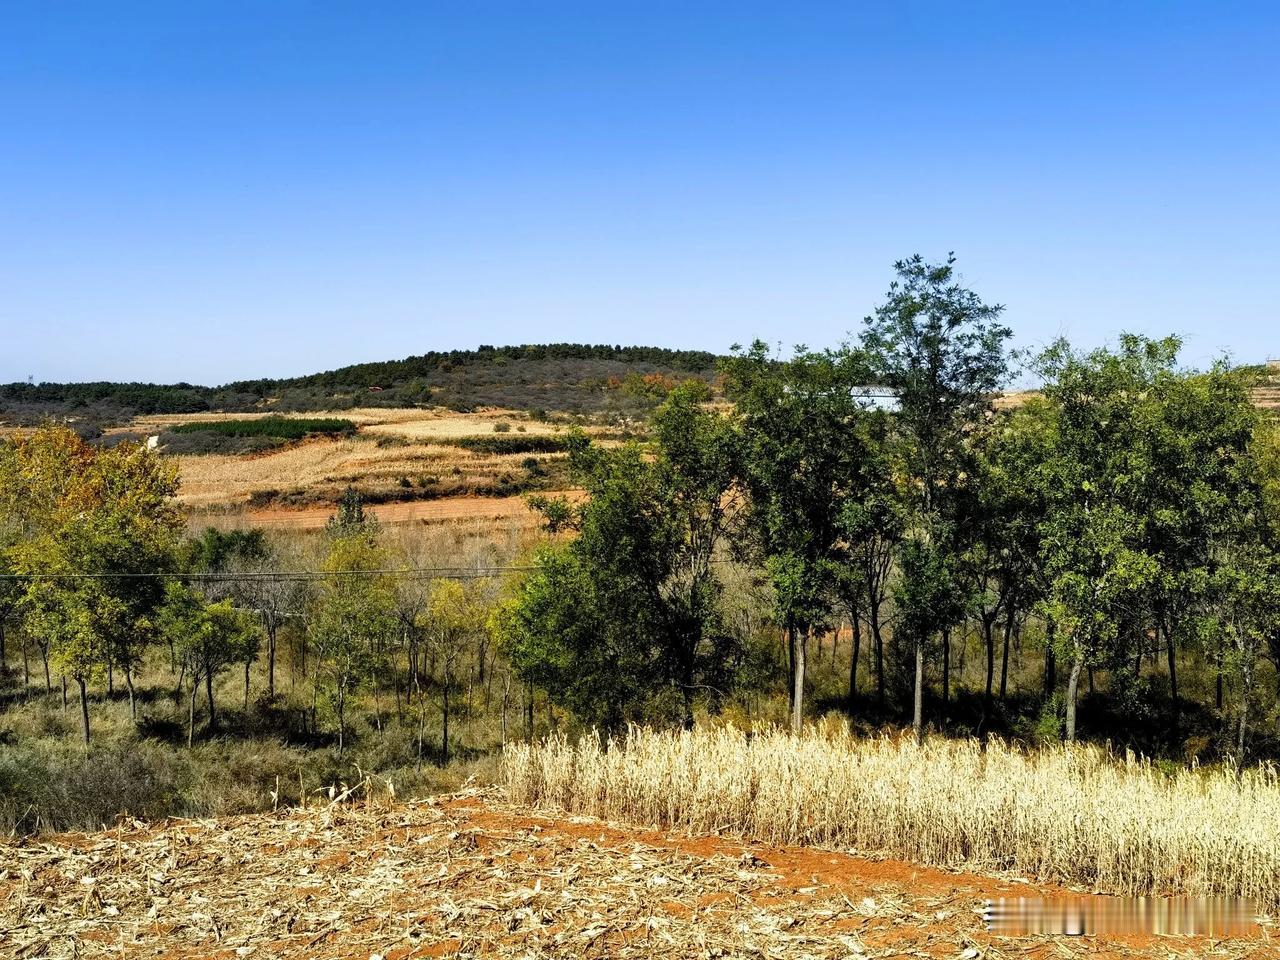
(470, 876)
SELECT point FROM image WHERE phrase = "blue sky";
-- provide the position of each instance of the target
(211, 191)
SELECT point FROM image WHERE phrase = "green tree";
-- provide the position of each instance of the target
(803, 449)
(452, 618)
(627, 612)
(97, 525)
(1203, 498)
(354, 613)
(1097, 479)
(943, 351)
(207, 638)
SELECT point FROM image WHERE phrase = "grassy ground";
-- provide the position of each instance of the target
(252, 760)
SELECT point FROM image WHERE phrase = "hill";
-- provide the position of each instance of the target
(569, 377)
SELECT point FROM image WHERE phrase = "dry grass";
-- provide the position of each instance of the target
(1077, 816)
(459, 425)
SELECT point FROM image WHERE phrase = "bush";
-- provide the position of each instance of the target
(501, 427)
(287, 428)
(206, 442)
(507, 445)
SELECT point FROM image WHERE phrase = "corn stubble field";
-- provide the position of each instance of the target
(1056, 814)
(700, 844)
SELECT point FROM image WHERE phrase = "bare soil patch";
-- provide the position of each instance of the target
(469, 875)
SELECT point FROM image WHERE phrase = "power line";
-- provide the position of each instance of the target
(443, 573)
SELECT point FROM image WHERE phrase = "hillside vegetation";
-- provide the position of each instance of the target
(569, 377)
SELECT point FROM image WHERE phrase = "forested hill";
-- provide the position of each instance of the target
(558, 376)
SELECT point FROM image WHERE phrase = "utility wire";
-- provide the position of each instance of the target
(444, 573)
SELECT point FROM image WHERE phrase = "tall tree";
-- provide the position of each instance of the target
(943, 351)
(1203, 496)
(803, 453)
(624, 619)
(354, 612)
(1097, 480)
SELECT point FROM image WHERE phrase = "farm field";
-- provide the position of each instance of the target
(407, 463)
(470, 874)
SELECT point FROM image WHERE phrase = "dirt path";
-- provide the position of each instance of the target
(470, 876)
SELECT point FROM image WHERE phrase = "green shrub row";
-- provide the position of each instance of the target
(508, 444)
(287, 428)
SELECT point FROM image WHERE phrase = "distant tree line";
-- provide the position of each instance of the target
(565, 376)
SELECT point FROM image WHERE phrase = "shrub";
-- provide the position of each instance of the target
(287, 428)
(508, 445)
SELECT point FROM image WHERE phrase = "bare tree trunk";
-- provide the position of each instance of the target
(989, 637)
(246, 686)
(1175, 708)
(133, 701)
(853, 659)
(1050, 666)
(797, 696)
(917, 699)
(208, 689)
(789, 641)
(422, 727)
(528, 711)
(44, 655)
(64, 693)
(395, 679)
(1246, 688)
(506, 700)
(873, 618)
(271, 660)
(444, 736)
(1073, 684)
(1004, 657)
(946, 673)
(84, 707)
(1218, 683)
(191, 711)
(342, 716)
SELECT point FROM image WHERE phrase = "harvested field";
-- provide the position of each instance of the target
(1077, 815)
(397, 455)
(470, 875)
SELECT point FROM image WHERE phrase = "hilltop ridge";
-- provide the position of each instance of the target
(558, 376)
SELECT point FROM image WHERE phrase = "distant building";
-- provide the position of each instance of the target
(375, 389)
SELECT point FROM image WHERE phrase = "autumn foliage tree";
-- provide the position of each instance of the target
(97, 525)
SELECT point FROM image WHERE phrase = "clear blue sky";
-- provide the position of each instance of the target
(217, 190)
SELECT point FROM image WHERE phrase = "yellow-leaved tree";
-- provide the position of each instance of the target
(92, 529)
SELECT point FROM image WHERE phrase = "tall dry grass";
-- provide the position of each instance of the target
(1077, 816)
